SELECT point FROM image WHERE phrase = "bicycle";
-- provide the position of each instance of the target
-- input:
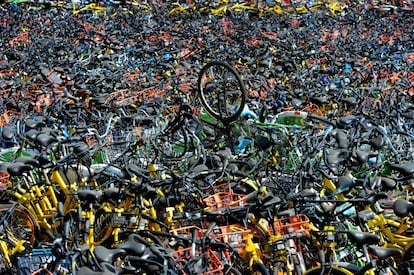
(326, 240)
(221, 91)
(45, 202)
(394, 228)
(229, 206)
(179, 141)
(225, 245)
(286, 244)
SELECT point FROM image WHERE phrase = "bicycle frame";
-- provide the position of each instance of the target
(42, 201)
(17, 246)
(393, 238)
(9, 244)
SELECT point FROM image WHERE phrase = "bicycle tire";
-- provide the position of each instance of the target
(71, 230)
(21, 222)
(327, 270)
(221, 91)
(409, 257)
(103, 223)
(172, 145)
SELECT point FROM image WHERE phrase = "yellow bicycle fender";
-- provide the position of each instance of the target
(315, 269)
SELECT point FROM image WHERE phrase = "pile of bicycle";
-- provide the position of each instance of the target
(222, 188)
(159, 137)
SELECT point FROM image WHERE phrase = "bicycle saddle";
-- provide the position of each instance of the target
(264, 143)
(361, 238)
(89, 196)
(28, 160)
(342, 138)
(132, 246)
(347, 121)
(99, 100)
(34, 124)
(112, 193)
(366, 215)
(405, 169)
(80, 149)
(375, 196)
(377, 142)
(387, 184)
(8, 133)
(334, 156)
(344, 183)
(350, 101)
(32, 134)
(320, 100)
(384, 253)
(270, 201)
(108, 255)
(402, 208)
(363, 156)
(17, 168)
(45, 139)
(134, 170)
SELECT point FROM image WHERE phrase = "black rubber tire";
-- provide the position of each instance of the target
(21, 222)
(167, 144)
(102, 223)
(71, 230)
(409, 258)
(222, 91)
(404, 269)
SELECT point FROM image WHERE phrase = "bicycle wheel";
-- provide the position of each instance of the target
(221, 91)
(327, 270)
(20, 222)
(409, 258)
(172, 145)
(71, 231)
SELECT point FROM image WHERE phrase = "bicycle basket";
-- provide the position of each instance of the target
(225, 199)
(234, 235)
(37, 259)
(292, 226)
(186, 231)
(116, 143)
(187, 255)
(223, 187)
